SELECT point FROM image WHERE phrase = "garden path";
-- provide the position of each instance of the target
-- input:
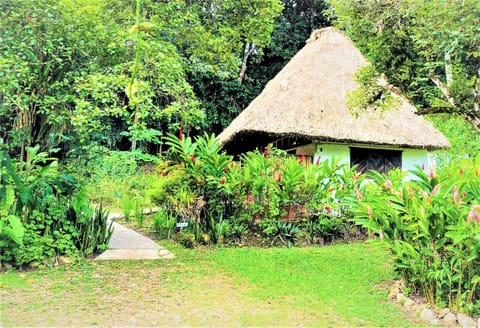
(127, 244)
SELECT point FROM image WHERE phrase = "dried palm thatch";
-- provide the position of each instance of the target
(308, 100)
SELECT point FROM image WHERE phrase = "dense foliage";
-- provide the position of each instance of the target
(292, 28)
(223, 97)
(428, 222)
(464, 141)
(75, 73)
(431, 226)
(44, 214)
(280, 197)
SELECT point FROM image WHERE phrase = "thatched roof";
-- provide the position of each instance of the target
(308, 100)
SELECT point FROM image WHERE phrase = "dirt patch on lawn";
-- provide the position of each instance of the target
(144, 294)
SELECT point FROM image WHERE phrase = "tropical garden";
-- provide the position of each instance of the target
(114, 107)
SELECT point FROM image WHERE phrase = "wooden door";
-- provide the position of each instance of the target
(380, 160)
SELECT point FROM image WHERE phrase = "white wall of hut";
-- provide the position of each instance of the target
(410, 157)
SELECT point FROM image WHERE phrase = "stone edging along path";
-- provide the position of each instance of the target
(441, 317)
(127, 244)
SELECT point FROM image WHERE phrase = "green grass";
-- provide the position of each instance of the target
(340, 285)
(341, 279)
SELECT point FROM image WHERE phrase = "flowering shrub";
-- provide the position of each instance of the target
(191, 188)
(431, 227)
(228, 199)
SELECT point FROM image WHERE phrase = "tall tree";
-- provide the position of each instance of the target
(83, 71)
(45, 47)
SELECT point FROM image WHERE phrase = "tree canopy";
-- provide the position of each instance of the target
(76, 72)
(428, 49)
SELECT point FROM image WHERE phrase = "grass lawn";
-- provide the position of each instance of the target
(339, 285)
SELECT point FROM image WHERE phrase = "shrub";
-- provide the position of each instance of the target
(238, 232)
(431, 227)
(190, 186)
(323, 228)
(45, 213)
(186, 239)
(223, 198)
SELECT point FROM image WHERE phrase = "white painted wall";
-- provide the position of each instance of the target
(410, 157)
(413, 157)
(340, 151)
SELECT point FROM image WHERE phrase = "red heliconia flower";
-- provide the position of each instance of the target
(302, 159)
(343, 186)
(327, 208)
(358, 193)
(460, 172)
(223, 180)
(266, 152)
(232, 165)
(399, 194)
(464, 194)
(278, 177)
(192, 157)
(425, 195)
(410, 193)
(456, 196)
(422, 210)
(318, 160)
(180, 133)
(330, 189)
(356, 177)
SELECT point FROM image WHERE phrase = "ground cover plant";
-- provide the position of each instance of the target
(340, 285)
(431, 226)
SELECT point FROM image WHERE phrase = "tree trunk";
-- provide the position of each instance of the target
(247, 51)
(476, 94)
(448, 68)
(443, 88)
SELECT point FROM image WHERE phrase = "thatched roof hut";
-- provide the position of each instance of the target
(307, 100)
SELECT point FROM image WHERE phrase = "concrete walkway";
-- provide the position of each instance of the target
(127, 244)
